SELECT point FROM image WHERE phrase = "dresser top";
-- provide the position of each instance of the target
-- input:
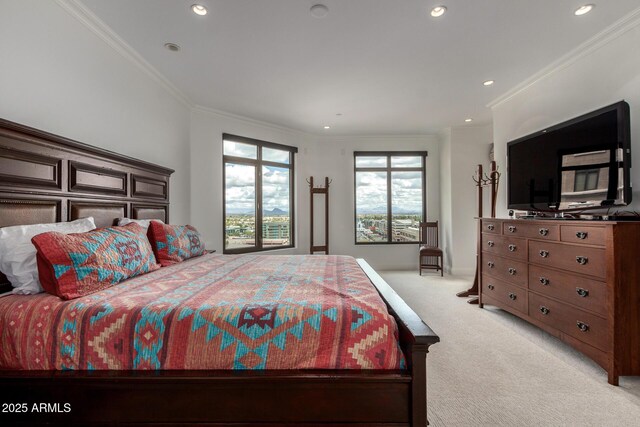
(568, 221)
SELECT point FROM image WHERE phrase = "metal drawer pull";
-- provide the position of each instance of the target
(490, 227)
(512, 248)
(544, 254)
(512, 296)
(582, 235)
(582, 326)
(582, 260)
(512, 271)
(544, 310)
(582, 292)
(490, 264)
(543, 231)
(491, 287)
(490, 243)
(512, 228)
(544, 281)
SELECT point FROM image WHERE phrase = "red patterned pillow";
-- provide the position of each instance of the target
(174, 243)
(74, 265)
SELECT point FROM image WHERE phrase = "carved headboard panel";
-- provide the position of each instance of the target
(48, 178)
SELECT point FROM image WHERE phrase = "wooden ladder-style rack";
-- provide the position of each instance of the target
(323, 191)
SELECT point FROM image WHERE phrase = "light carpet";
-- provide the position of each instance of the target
(491, 368)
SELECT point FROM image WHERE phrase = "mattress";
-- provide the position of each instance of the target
(211, 312)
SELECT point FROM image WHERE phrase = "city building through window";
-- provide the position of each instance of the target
(258, 195)
(390, 196)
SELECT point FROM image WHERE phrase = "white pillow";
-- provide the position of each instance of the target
(144, 223)
(18, 255)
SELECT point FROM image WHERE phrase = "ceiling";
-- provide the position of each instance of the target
(386, 66)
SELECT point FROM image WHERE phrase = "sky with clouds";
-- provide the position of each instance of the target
(241, 193)
(371, 192)
(371, 187)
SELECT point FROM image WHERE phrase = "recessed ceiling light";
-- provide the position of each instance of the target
(327, 127)
(172, 47)
(583, 10)
(488, 82)
(319, 10)
(468, 120)
(438, 11)
(199, 9)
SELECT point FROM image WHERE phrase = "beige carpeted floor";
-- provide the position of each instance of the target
(494, 369)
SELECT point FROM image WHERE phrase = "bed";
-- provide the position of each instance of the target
(47, 178)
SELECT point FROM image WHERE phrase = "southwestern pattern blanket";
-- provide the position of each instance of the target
(211, 312)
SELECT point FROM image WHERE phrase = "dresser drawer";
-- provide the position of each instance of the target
(505, 293)
(584, 293)
(491, 227)
(535, 231)
(582, 234)
(585, 260)
(511, 270)
(511, 247)
(579, 324)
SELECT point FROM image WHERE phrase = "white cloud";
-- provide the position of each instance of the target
(240, 191)
(371, 192)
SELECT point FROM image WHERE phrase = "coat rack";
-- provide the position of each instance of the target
(483, 180)
(323, 191)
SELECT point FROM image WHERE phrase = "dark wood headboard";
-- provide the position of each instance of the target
(47, 178)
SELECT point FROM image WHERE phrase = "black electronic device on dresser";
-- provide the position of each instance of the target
(583, 163)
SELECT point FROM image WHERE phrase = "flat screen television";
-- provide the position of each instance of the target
(583, 163)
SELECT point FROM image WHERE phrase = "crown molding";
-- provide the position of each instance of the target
(80, 12)
(604, 37)
(226, 115)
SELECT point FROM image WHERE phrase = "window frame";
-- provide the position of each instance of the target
(586, 173)
(258, 163)
(389, 169)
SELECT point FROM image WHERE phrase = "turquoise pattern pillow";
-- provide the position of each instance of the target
(74, 265)
(174, 243)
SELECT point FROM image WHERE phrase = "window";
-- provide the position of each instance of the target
(390, 197)
(586, 180)
(258, 195)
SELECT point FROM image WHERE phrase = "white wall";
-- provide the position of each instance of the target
(446, 195)
(606, 74)
(58, 76)
(469, 147)
(461, 150)
(333, 157)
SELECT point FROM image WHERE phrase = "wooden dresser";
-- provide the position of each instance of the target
(577, 280)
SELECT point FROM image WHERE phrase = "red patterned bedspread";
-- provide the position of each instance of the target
(212, 312)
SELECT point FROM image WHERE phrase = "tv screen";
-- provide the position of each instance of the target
(579, 164)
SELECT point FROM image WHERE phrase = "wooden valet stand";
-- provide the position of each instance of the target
(323, 191)
(482, 180)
